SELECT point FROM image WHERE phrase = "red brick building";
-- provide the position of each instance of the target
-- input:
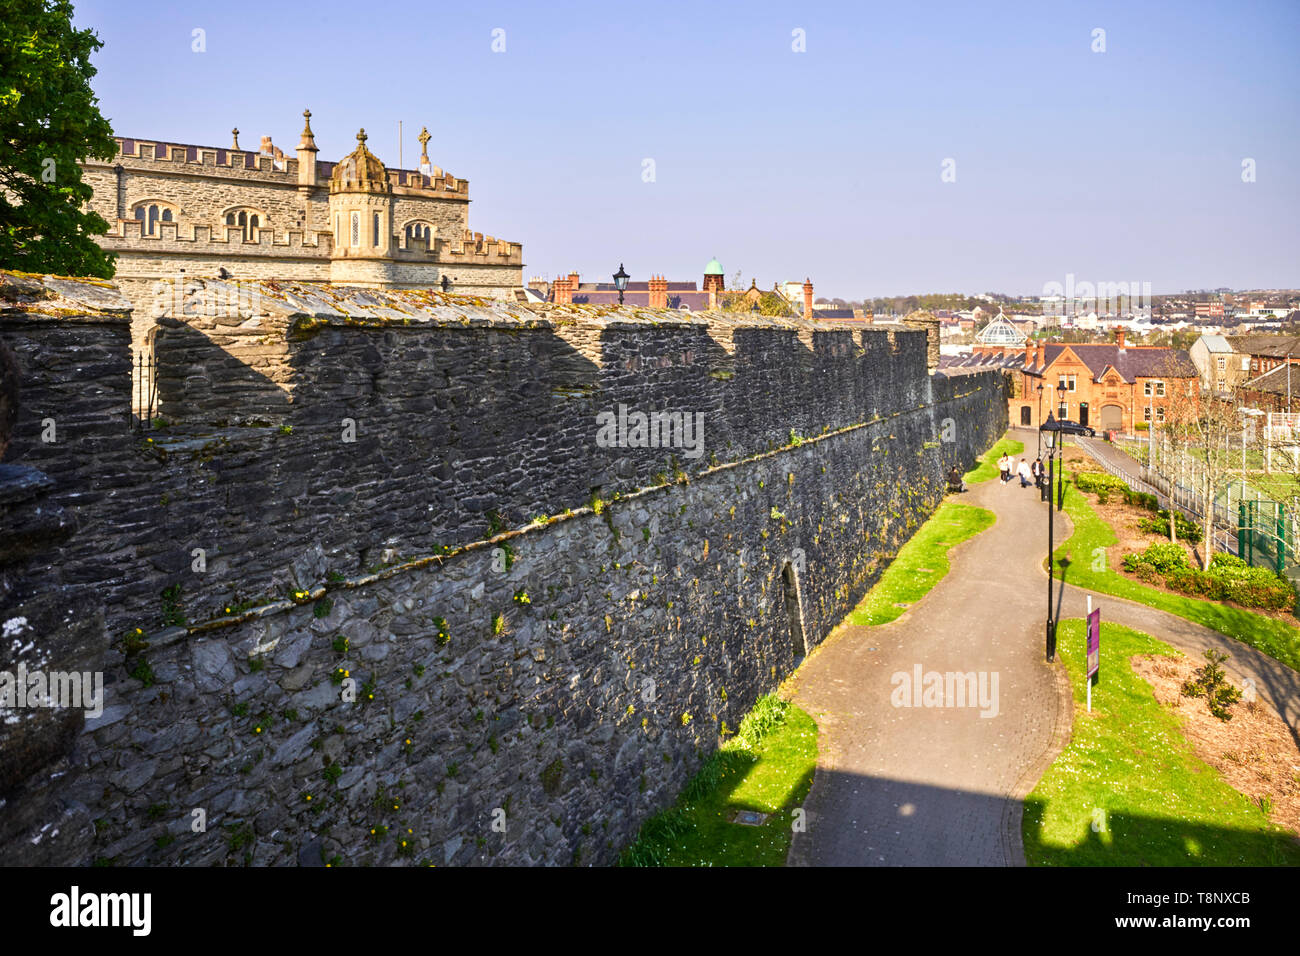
(1106, 386)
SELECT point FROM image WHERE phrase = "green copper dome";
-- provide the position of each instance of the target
(714, 268)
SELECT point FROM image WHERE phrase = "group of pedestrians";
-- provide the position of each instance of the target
(1029, 474)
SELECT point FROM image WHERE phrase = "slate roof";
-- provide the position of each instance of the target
(1273, 346)
(955, 364)
(693, 300)
(1131, 363)
(1275, 381)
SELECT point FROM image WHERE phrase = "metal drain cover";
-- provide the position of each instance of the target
(749, 818)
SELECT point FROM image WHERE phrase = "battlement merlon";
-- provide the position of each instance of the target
(176, 237)
(180, 238)
(183, 157)
(479, 248)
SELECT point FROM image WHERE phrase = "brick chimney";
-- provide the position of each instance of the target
(573, 282)
(1029, 353)
(1119, 336)
(563, 291)
(658, 292)
(1042, 355)
(807, 299)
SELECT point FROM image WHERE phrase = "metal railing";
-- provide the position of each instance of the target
(1175, 496)
(144, 392)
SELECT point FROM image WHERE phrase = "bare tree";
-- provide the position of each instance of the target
(1215, 430)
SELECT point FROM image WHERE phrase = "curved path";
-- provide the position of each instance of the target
(944, 786)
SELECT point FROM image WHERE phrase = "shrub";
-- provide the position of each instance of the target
(1253, 587)
(1095, 480)
(1141, 499)
(1194, 582)
(1165, 556)
(1187, 530)
(1100, 484)
(1144, 572)
(1211, 683)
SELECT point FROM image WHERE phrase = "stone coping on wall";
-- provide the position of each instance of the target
(348, 305)
(308, 595)
(38, 297)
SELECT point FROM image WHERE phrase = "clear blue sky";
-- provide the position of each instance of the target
(1115, 166)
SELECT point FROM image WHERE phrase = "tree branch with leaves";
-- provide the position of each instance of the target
(49, 123)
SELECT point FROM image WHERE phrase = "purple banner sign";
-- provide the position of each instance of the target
(1094, 641)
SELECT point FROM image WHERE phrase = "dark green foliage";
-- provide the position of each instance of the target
(1100, 484)
(1228, 579)
(1187, 530)
(552, 776)
(49, 121)
(1140, 499)
(1212, 684)
(1163, 556)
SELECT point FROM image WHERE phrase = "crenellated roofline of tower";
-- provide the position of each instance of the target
(276, 167)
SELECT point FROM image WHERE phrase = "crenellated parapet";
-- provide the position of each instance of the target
(189, 158)
(192, 239)
(475, 247)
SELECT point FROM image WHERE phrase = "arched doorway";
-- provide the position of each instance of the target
(1026, 415)
(1112, 417)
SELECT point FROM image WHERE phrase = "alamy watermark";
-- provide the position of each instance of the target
(1079, 298)
(634, 429)
(923, 688)
(181, 297)
(21, 689)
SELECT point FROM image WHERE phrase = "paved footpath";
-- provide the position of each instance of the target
(944, 786)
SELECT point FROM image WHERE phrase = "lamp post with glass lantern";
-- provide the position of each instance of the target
(620, 282)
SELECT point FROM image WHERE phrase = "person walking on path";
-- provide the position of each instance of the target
(1004, 467)
(1037, 470)
(1025, 473)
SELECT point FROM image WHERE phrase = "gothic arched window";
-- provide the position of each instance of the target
(149, 214)
(420, 230)
(248, 221)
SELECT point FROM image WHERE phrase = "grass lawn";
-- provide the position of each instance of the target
(1279, 487)
(988, 466)
(1129, 790)
(921, 563)
(768, 767)
(1083, 561)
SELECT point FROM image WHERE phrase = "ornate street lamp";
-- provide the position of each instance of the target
(620, 282)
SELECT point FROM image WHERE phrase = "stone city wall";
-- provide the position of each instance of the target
(541, 636)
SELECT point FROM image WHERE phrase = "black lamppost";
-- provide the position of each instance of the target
(1040, 421)
(1056, 432)
(620, 282)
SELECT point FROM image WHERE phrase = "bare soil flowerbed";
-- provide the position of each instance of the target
(1254, 751)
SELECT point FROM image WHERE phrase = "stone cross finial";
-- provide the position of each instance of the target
(308, 141)
(235, 133)
(424, 138)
